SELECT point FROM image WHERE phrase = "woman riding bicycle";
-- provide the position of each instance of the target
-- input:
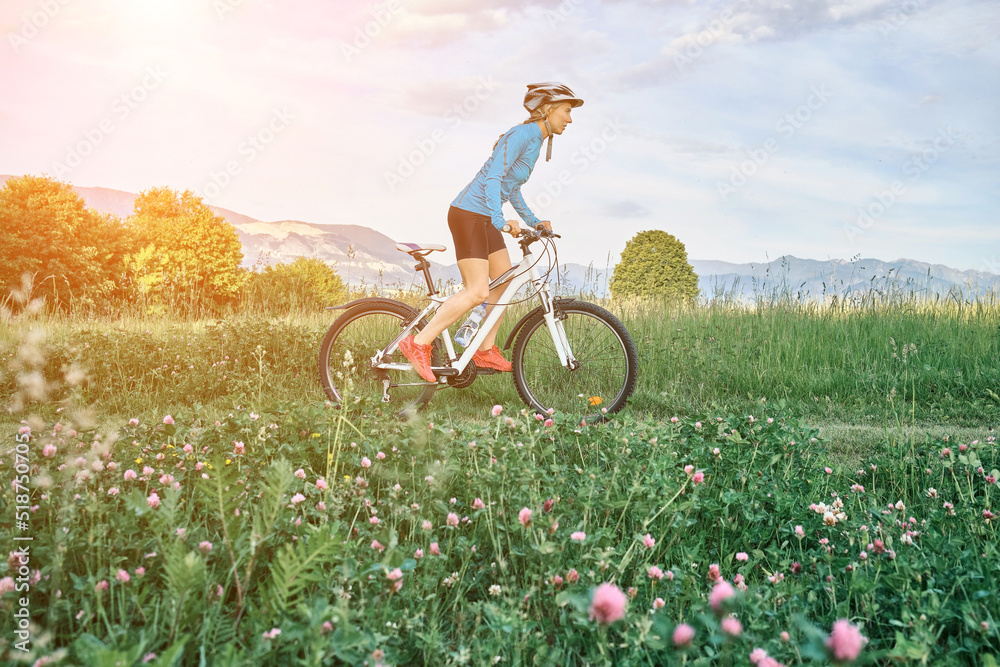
(476, 220)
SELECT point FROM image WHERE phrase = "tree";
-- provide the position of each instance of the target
(184, 254)
(305, 284)
(71, 253)
(654, 264)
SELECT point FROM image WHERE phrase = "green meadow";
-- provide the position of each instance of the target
(193, 499)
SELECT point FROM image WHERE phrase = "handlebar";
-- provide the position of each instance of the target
(531, 234)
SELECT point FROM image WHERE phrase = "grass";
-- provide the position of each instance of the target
(776, 409)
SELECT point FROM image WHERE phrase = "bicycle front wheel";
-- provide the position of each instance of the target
(607, 365)
(345, 366)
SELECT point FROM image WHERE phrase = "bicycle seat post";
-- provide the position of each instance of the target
(425, 267)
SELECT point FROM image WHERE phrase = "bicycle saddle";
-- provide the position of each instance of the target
(419, 249)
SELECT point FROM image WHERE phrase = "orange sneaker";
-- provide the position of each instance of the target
(419, 356)
(492, 358)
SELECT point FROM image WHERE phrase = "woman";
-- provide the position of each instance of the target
(476, 219)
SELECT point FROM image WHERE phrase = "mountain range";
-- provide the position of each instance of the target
(365, 256)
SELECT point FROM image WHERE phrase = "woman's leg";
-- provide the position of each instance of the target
(499, 263)
(476, 277)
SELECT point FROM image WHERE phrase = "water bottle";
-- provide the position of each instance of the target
(469, 330)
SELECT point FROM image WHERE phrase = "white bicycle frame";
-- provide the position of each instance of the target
(523, 273)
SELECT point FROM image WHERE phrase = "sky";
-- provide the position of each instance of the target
(823, 129)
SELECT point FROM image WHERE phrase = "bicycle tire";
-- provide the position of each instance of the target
(350, 343)
(607, 373)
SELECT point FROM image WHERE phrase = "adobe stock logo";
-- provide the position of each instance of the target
(427, 145)
(382, 16)
(33, 23)
(121, 108)
(786, 126)
(914, 168)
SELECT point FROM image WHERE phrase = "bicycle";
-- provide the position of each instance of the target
(569, 355)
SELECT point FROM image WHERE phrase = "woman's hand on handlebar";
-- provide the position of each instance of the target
(512, 227)
(544, 223)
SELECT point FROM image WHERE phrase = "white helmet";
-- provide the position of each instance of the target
(540, 94)
(547, 93)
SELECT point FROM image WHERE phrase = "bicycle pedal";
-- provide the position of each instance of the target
(482, 370)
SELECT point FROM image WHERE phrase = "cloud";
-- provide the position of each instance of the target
(625, 209)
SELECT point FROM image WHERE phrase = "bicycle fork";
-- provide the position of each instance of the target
(554, 321)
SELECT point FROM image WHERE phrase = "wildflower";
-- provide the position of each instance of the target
(429, 479)
(524, 516)
(945, 452)
(990, 479)
(149, 657)
(374, 521)
(168, 420)
(572, 576)
(683, 634)
(497, 409)
(857, 488)
(796, 567)
(205, 546)
(731, 626)
(113, 491)
(181, 533)
(845, 641)
(129, 475)
(122, 576)
(366, 462)
(377, 546)
(478, 504)
(713, 572)
(133, 422)
(655, 573)
(435, 551)
(427, 525)
(557, 581)
(740, 582)
(863, 555)
(742, 556)
(238, 447)
(720, 593)
(776, 578)
(272, 633)
(396, 577)
(688, 469)
(548, 423)
(648, 541)
(153, 500)
(800, 532)
(698, 477)
(878, 547)
(757, 656)
(321, 484)
(49, 450)
(658, 603)
(607, 604)
(495, 590)
(140, 571)
(828, 470)
(452, 519)
(101, 585)
(988, 515)
(297, 498)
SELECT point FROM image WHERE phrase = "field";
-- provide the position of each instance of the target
(194, 499)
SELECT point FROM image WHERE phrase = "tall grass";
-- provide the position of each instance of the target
(859, 363)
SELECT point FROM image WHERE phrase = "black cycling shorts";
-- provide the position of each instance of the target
(474, 234)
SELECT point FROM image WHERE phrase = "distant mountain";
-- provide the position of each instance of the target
(365, 256)
(812, 279)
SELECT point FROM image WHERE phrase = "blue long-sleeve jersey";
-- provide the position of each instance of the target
(502, 176)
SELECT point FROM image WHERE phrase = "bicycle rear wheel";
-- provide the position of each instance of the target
(345, 368)
(607, 370)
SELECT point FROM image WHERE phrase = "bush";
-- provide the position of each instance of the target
(307, 284)
(654, 264)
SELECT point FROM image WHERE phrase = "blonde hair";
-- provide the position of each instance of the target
(538, 114)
